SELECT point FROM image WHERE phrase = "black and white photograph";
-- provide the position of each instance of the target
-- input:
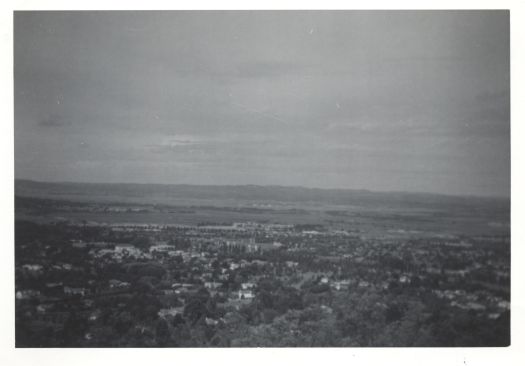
(262, 178)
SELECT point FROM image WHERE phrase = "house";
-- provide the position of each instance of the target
(27, 294)
(247, 285)
(33, 268)
(79, 244)
(341, 285)
(101, 253)
(453, 273)
(182, 287)
(475, 306)
(116, 284)
(212, 285)
(326, 309)
(404, 279)
(246, 294)
(169, 312)
(44, 308)
(88, 303)
(54, 286)
(210, 321)
(94, 315)
(468, 306)
(175, 253)
(127, 249)
(75, 291)
(163, 248)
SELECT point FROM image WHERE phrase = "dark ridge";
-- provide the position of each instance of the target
(165, 193)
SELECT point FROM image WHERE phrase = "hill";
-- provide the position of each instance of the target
(244, 195)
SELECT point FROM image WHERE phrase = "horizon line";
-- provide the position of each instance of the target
(499, 197)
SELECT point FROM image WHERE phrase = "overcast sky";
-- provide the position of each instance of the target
(403, 101)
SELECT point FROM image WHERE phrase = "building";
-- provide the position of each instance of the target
(212, 285)
(75, 291)
(247, 285)
(245, 294)
(27, 294)
(169, 312)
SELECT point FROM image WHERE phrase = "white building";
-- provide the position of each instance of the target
(245, 294)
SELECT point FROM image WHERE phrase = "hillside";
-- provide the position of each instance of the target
(247, 195)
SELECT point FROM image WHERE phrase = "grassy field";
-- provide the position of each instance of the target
(361, 212)
(371, 222)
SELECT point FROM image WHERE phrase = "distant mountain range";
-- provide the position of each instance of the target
(242, 194)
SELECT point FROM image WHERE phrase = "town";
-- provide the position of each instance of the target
(257, 284)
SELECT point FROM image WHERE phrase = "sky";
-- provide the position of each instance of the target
(414, 101)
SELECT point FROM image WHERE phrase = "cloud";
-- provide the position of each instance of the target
(235, 92)
(180, 143)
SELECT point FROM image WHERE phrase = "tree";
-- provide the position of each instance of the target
(162, 333)
(73, 331)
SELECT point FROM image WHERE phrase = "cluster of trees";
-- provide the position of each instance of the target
(367, 319)
(278, 317)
